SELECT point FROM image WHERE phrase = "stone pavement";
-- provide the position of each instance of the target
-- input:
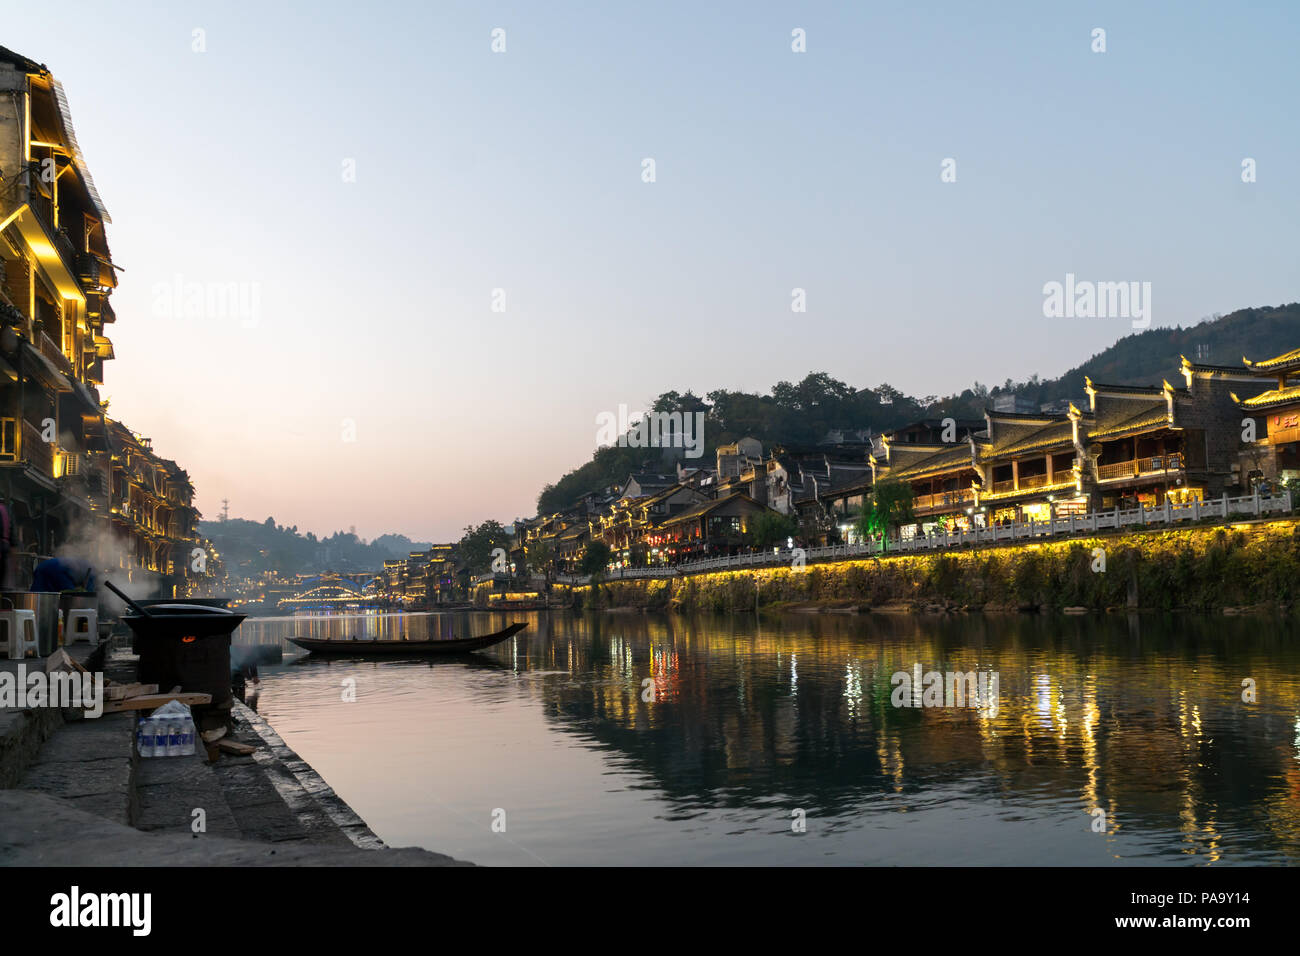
(41, 830)
(81, 796)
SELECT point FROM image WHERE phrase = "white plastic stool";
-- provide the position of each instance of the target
(20, 632)
(73, 620)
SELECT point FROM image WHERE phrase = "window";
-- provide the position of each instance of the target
(8, 438)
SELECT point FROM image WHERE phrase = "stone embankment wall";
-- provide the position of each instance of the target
(1194, 568)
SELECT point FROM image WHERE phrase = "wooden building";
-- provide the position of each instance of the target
(70, 477)
(1274, 455)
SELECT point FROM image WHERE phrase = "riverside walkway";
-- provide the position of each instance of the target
(74, 791)
(1224, 509)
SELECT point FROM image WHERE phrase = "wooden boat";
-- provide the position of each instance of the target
(371, 648)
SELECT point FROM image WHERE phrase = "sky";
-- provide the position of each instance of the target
(413, 270)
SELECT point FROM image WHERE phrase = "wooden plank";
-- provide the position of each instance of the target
(152, 701)
(123, 691)
(235, 747)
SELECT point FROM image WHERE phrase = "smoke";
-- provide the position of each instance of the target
(88, 540)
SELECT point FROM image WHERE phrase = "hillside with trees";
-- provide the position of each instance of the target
(803, 413)
(250, 548)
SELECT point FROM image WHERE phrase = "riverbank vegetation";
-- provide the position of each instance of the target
(1196, 568)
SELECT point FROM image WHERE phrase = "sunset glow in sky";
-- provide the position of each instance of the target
(521, 171)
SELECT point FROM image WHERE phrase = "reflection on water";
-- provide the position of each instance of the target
(373, 626)
(552, 731)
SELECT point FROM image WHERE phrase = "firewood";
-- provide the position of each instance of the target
(153, 701)
(61, 661)
(123, 691)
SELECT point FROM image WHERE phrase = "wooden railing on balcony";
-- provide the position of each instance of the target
(944, 499)
(1119, 469)
(1028, 483)
(36, 451)
(1151, 465)
(54, 354)
(1160, 463)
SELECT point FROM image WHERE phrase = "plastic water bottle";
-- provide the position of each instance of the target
(188, 733)
(173, 737)
(144, 737)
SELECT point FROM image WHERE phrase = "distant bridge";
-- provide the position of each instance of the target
(330, 590)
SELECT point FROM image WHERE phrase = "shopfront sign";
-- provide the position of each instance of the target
(1284, 427)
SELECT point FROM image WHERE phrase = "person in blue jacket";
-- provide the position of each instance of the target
(64, 574)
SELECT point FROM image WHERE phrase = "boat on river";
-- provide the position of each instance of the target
(348, 647)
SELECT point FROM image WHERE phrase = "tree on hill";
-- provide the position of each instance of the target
(251, 548)
(540, 556)
(478, 546)
(771, 528)
(595, 560)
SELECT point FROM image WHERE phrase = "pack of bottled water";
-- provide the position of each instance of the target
(168, 732)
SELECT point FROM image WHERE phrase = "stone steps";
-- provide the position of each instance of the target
(89, 763)
(23, 732)
(176, 794)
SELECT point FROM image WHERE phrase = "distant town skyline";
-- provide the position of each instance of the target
(387, 267)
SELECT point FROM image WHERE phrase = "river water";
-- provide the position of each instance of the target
(1111, 741)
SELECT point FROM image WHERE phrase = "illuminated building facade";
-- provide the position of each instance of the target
(1274, 456)
(69, 475)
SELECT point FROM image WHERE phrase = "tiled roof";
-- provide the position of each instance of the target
(1126, 389)
(1152, 416)
(1274, 396)
(704, 507)
(20, 61)
(1057, 433)
(658, 496)
(1285, 359)
(1208, 367)
(948, 459)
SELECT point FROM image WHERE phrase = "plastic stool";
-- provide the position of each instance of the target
(20, 632)
(74, 618)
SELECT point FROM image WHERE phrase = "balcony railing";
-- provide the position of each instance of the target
(944, 499)
(37, 452)
(54, 354)
(1151, 465)
(1160, 463)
